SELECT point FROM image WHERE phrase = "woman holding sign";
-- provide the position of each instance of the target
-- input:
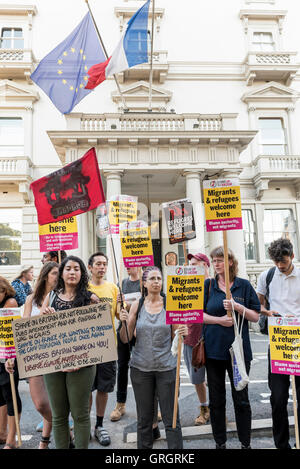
(153, 367)
(69, 390)
(219, 336)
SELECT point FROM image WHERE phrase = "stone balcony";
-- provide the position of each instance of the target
(15, 169)
(271, 66)
(16, 63)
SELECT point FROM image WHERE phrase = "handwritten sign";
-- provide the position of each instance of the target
(121, 209)
(63, 340)
(59, 236)
(284, 335)
(136, 244)
(185, 295)
(7, 344)
(222, 202)
(180, 220)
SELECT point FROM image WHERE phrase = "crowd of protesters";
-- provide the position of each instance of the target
(144, 345)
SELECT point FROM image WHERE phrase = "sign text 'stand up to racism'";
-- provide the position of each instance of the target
(222, 202)
(64, 340)
(284, 336)
(185, 295)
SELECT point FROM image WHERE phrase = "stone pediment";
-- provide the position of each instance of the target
(10, 92)
(269, 93)
(137, 97)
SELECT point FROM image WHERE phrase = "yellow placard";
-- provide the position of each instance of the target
(7, 344)
(223, 203)
(121, 211)
(136, 245)
(69, 225)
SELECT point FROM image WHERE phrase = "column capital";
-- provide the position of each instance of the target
(193, 173)
(113, 174)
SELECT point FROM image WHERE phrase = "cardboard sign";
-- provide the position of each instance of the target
(121, 209)
(180, 220)
(222, 202)
(136, 244)
(64, 340)
(102, 228)
(284, 336)
(60, 236)
(185, 295)
(7, 344)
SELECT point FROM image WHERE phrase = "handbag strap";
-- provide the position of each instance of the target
(238, 324)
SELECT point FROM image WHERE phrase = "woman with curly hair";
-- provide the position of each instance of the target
(69, 390)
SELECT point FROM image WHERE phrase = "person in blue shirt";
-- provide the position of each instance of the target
(21, 284)
(219, 336)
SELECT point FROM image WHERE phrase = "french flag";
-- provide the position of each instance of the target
(131, 50)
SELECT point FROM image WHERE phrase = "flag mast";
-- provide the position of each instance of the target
(151, 57)
(106, 55)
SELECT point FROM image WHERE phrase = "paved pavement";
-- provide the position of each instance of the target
(123, 434)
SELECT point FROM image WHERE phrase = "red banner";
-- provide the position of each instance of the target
(72, 190)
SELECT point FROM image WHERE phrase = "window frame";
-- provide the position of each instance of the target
(13, 38)
(285, 134)
(23, 146)
(256, 248)
(5, 266)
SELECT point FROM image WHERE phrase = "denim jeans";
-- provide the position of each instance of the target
(216, 371)
(144, 386)
(279, 386)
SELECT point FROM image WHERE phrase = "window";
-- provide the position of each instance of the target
(249, 235)
(272, 136)
(11, 136)
(10, 236)
(12, 38)
(279, 223)
(263, 42)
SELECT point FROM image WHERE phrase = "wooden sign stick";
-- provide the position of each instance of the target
(178, 358)
(59, 257)
(226, 265)
(295, 411)
(13, 391)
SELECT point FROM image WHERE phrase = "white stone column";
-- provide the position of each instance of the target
(193, 192)
(113, 187)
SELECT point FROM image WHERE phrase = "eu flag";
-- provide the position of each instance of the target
(62, 74)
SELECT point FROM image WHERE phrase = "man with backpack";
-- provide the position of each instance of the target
(278, 290)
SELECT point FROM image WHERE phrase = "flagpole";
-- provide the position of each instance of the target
(106, 54)
(151, 57)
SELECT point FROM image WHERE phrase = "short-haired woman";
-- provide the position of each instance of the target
(69, 390)
(153, 367)
(219, 336)
(7, 415)
(21, 284)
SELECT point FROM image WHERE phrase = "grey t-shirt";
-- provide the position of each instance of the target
(128, 286)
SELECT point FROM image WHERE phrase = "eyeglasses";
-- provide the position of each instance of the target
(218, 261)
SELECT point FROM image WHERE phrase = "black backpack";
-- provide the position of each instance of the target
(263, 320)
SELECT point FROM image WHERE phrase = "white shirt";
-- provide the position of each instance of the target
(284, 291)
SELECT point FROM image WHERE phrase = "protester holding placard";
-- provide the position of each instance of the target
(283, 297)
(219, 336)
(153, 367)
(105, 372)
(46, 282)
(197, 376)
(69, 390)
(21, 284)
(7, 300)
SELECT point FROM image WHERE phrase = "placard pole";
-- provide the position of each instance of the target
(13, 391)
(295, 412)
(226, 265)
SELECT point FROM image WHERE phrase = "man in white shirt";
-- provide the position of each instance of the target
(284, 300)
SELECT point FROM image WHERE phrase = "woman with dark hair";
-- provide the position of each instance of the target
(219, 336)
(153, 367)
(7, 415)
(69, 390)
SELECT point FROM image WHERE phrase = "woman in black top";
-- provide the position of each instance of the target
(7, 300)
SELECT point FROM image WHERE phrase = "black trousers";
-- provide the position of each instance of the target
(145, 384)
(216, 371)
(279, 386)
(122, 373)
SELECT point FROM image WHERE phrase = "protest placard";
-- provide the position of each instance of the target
(102, 228)
(180, 220)
(7, 345)
(136, 244)
(185, 290)
(284, 334)
(222, 202)
(121, 209)
(64, 340)
(60, 236)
